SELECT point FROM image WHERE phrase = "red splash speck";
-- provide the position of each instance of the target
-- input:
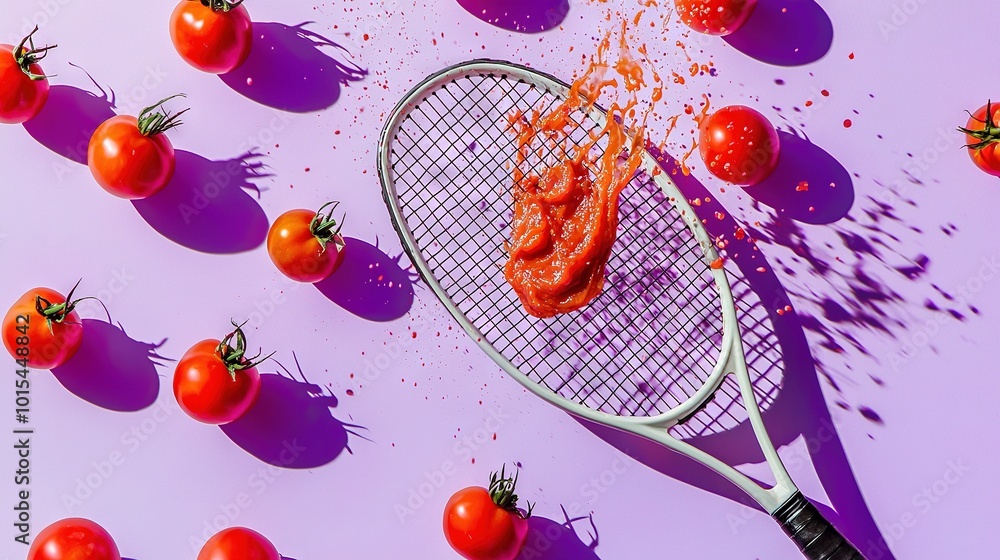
(803, 186)
(848, 123)
(350, 392)
(825, 93)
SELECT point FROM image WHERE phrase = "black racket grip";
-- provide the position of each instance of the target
(814, 535)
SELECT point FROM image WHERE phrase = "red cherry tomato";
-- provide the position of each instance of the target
(71, 539)
(215, 382)
(23, 86)
(715, 17)
(238, 543)
(306, 246)
(739, 145)
(982, 136)
(131, 157)
(215, 38)
(43, 328)
(485, 524)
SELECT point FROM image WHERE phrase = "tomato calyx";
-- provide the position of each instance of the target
(232, 350)
(220, 5)
(26, 54)
(155, 119)
(58, 312)
(325, 227)
(990, 134)
(503, 492)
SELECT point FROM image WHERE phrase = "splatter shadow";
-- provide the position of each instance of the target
(370, 283)
(521, 16)
(206, 207)
(785, 33)
(554, 540)
(111, 369)
(291, 425)
(288, 69)
(809, 185)
(794, 404)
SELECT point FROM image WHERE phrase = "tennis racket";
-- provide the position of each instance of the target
(645, 356)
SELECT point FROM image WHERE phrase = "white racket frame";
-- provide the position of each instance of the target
(731, 360)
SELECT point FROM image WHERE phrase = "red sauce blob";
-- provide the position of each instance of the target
(566, 219)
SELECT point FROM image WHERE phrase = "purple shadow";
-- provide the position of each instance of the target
(553, 540)
(369, 283)
(206, 207)
(289, 69)
(290, 425)
(799, 408)
(68, 120)
(522, 16)
(111, 369)
(830, 193)
(801, 34)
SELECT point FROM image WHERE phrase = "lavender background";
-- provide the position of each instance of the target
(891, 344)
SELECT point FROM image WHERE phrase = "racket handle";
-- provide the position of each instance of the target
(814, 535)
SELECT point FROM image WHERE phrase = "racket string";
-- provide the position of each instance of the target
(644, 346)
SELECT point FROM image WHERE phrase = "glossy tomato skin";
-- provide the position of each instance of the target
(297, 253)
(71, 539)
(216, 42)
(739, 145)
(715, 17)
(127, 164)
(238, 543)
(987, 158)
(21, 98)
(478, 529)
(207, 392)
(46, 349)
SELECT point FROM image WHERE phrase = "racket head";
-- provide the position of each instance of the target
(444, 162)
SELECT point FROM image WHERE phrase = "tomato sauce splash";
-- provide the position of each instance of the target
(566, 217)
